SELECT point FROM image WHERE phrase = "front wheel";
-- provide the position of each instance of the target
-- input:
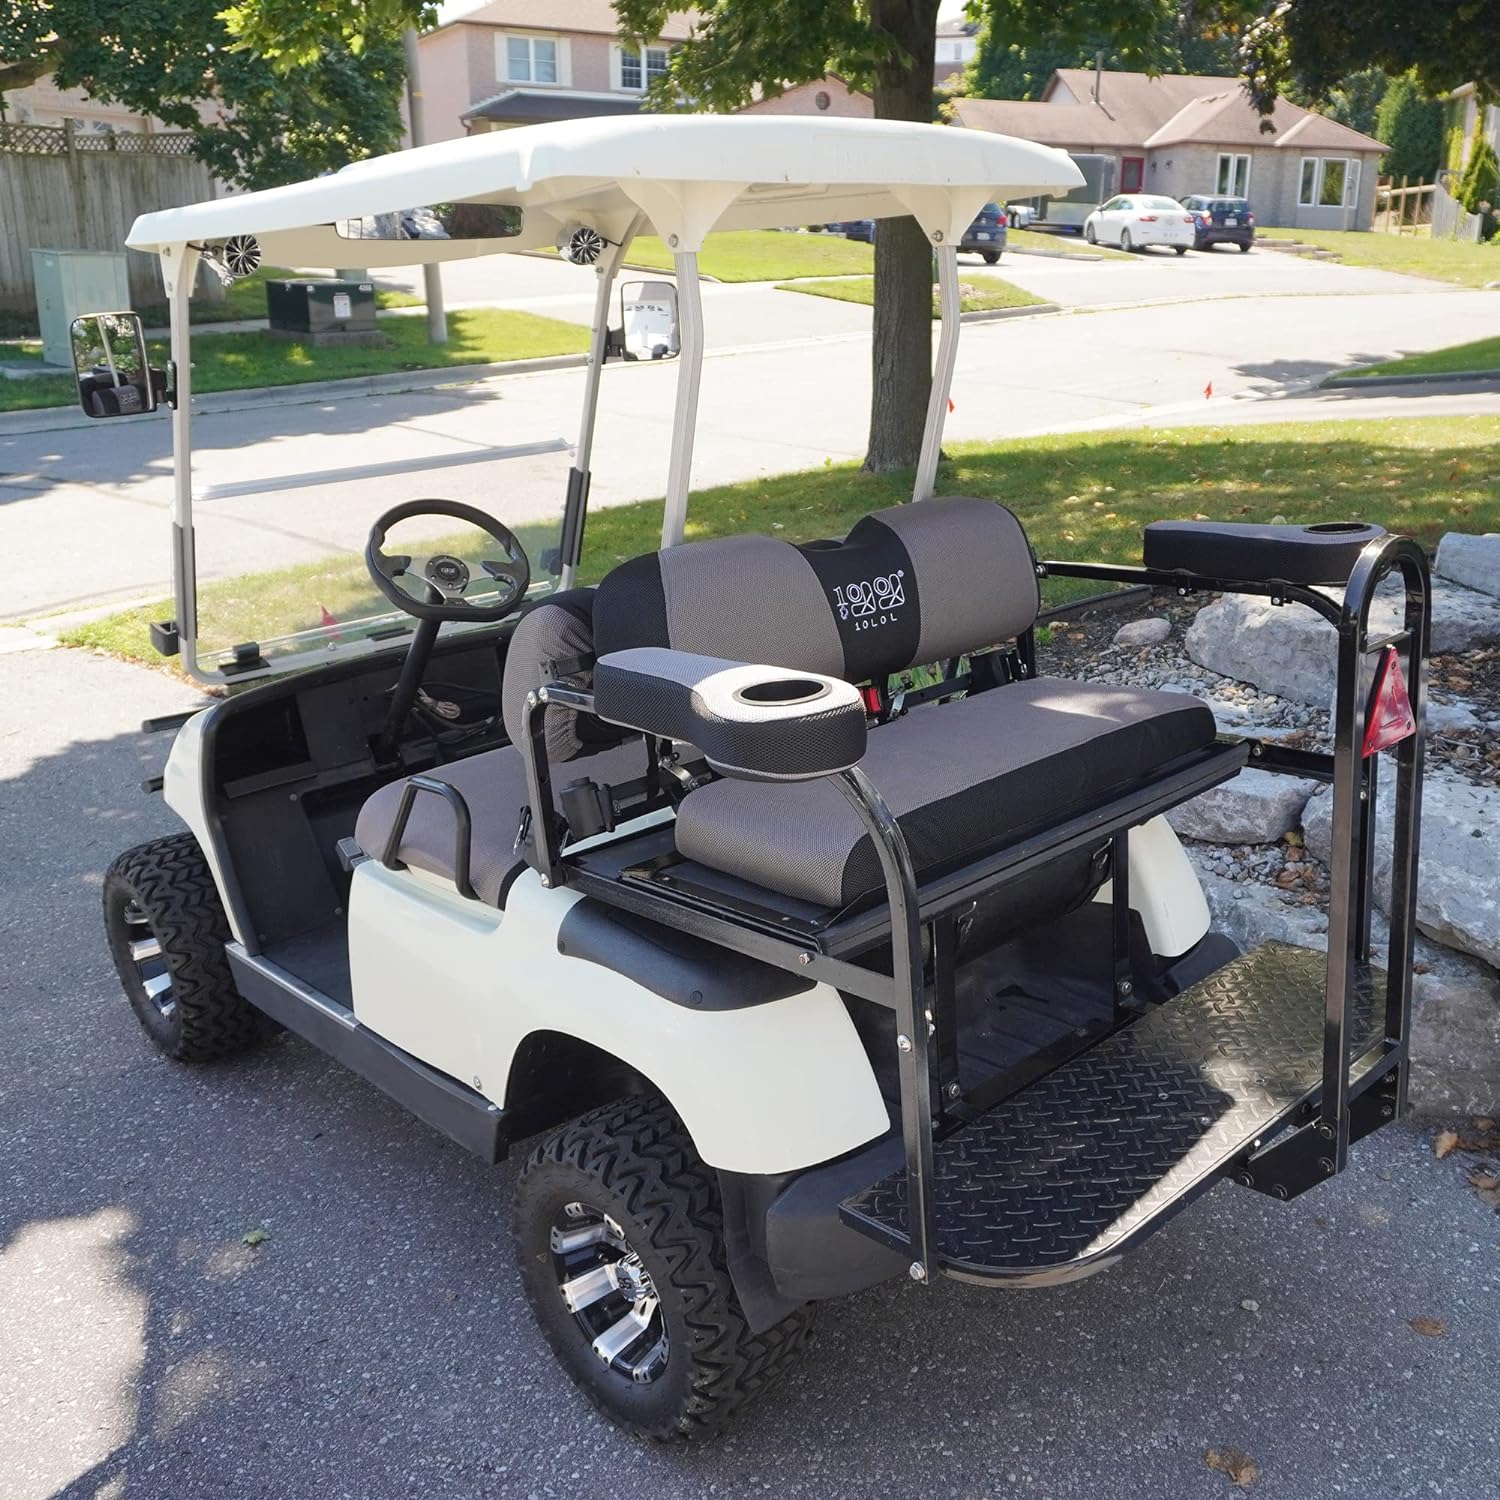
(1125, 243)
(1089, 236)
(167, 930)
(619, 1238)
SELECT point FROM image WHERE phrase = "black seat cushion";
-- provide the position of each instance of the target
(962, 778)
(494, 787)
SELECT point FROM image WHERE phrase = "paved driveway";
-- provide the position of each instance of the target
(377, 1346)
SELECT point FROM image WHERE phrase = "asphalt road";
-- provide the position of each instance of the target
(83, 508)
(377, 1346)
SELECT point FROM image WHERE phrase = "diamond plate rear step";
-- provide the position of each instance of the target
(1060, 1179)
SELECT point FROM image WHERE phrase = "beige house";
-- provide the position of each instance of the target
(825, 96)
(1183, 133)
(519, 62)
(43, 103)
(957, 42)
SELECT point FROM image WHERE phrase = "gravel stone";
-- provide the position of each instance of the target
(1149, 632)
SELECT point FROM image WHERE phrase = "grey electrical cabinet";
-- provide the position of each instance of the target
(70, 283)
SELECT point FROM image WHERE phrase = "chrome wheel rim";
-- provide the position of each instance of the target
(144, 950)
(603, 1283)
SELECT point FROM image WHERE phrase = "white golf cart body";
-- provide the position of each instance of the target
(498, 1006)
(459, 985)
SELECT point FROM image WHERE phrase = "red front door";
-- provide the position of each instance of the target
(1132, 173)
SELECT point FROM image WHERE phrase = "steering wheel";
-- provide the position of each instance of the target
(440, 577)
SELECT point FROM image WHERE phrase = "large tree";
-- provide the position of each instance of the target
(163, 57)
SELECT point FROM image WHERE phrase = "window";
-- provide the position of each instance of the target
(1329, 182)
(1234, 175)
(530, 59)
(639, 66)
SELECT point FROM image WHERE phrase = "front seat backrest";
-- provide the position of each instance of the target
(910, 585)
(554, 642)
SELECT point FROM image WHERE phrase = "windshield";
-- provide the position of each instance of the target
(285, 496)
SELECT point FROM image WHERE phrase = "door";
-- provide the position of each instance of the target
(1132, 173)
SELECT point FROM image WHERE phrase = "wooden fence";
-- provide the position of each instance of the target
(1403, 209)
(63, 189)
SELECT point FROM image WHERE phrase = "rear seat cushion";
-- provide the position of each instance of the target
(961, 778)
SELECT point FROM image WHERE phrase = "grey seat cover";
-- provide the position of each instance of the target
(494, 787)
(960, 777)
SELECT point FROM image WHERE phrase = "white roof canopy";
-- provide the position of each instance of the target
(687, 174)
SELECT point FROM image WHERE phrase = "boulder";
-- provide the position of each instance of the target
(1253, 914)
(1150, 632)
(1257, 807)
(1290, 651)
(1458, 882)
(1473, 561)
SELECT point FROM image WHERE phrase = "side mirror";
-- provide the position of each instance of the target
(109, 355)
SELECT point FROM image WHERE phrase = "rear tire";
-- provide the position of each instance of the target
(1180, 249)
(167, 930)
(991, 256)
(1244, 247)
(1125, 242)
(627, 1176)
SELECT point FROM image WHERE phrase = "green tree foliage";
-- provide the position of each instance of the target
(1355, 100)
(1181, 42)
(1479, 184)
(1413, 128)
(162, 57)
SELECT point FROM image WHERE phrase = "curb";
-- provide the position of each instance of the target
(995, 314)
(1057, 254)
(52, 418)
(1443, 377)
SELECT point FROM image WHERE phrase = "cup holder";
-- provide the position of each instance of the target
(1340, 528)
(781, 692)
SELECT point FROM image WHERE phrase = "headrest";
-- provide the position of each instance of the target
(910, 585)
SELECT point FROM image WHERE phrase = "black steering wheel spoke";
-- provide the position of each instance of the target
(432, 586)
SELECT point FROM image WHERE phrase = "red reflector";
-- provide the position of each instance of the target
(1390, 719)
(871, 695)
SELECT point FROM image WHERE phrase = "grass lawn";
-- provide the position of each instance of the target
(1445, 260)
(976, 293)
(764, 255)
(1080, 496)
(1065, 244)
(1483, 354)
(243, 361)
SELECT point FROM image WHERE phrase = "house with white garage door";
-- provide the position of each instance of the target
(1178, 134)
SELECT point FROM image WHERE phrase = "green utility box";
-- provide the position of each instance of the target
(314, 306)
(70, 283)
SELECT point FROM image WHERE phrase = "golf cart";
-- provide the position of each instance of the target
(811, 976)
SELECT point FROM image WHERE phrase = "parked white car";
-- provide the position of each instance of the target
(1134, 220)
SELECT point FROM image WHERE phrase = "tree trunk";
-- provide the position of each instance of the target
(902, 334)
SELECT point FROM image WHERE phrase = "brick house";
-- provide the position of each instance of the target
(1189, 133)
(520, 62)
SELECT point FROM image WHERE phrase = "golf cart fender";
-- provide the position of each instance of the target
(1164, 890)
(766, 1087)
(183, 790)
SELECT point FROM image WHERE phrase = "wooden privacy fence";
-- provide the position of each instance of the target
(1406, 209)
(66, 189)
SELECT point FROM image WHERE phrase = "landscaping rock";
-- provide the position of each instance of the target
(1451, 718)
(1473, 561)
(1291, 652)
(1458, 893)
(1255, 914)
(1257, 807)
(1151, 632)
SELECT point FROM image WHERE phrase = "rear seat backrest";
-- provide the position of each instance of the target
(554, 642)
(910, 585)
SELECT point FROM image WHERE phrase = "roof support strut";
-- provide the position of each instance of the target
(946, 256)
(685, 413)
(179, 269)
(578, 479)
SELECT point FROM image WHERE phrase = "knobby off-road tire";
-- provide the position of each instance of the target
(634, 1163)
(162, 893)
